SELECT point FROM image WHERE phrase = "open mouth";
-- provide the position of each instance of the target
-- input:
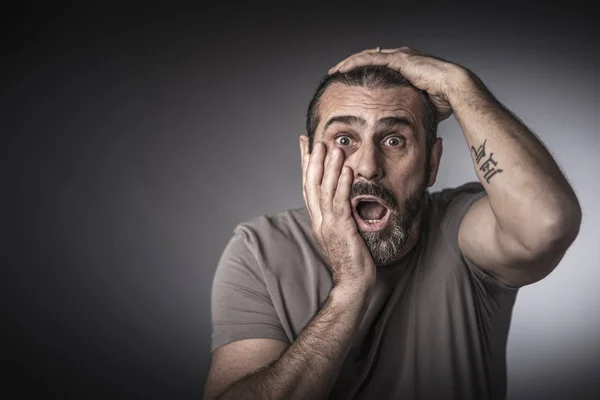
(370, 213)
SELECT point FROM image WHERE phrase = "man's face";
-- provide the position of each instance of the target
(382, 136)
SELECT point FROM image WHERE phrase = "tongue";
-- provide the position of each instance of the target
(370, 210)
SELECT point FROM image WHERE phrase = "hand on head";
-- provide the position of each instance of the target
(431, 74)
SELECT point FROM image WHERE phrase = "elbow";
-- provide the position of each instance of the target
(542, 243)
(555, 232)
(568, 223)
(574, 220)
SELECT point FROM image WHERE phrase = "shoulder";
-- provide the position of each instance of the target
(277, 226)
(280, 251)
(460, 196)
(268, 246)
(272, 238)
(448, 207)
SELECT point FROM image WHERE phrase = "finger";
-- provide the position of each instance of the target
(305, 160)
(314, 175)
(358, 54)
(378, 59)
(334, 68)
(330, 180)
(341, 200)
(387, 51)
(391, 58)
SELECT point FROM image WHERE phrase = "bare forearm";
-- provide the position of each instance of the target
(523, 182)
(309, 367)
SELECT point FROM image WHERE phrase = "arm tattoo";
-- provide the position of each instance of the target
(488, 167)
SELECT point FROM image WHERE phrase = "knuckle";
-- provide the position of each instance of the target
(324, 195)
(327, 231)
(327, 222)
(337, 212)
(338, 208)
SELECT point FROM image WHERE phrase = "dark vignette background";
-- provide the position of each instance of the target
(136, 137)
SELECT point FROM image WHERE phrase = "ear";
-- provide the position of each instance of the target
(303, 146)
(434, 160)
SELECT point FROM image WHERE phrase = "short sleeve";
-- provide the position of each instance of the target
(457, 202)
(241, 307)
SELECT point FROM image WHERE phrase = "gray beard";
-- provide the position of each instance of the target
(386, 245)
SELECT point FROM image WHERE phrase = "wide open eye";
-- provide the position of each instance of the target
(394, 141)
(343, 140)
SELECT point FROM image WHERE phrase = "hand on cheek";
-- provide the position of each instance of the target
(326, 191)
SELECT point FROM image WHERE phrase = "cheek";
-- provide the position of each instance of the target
(402, 171)
(405, 179)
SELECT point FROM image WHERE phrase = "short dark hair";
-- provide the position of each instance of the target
(371, 77)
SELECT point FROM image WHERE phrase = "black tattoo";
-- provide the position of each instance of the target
(489, 166)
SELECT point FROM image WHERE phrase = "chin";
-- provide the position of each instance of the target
(385, 245)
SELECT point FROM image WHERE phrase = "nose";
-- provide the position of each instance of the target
(366, 162)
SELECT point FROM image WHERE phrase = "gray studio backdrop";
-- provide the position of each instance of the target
(137, 157)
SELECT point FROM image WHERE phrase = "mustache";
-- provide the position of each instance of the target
(376, 189)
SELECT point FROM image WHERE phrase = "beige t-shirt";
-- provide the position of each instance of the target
(436, 327)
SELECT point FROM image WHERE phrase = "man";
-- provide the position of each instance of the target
(378, 289)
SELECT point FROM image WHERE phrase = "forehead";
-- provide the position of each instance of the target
(370, 104)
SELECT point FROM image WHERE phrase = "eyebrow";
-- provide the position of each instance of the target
(346, 120)
(383, 123)
(389, 122)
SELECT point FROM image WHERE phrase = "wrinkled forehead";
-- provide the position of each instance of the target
(370, 104)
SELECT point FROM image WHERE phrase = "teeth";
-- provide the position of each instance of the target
(372, 221)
